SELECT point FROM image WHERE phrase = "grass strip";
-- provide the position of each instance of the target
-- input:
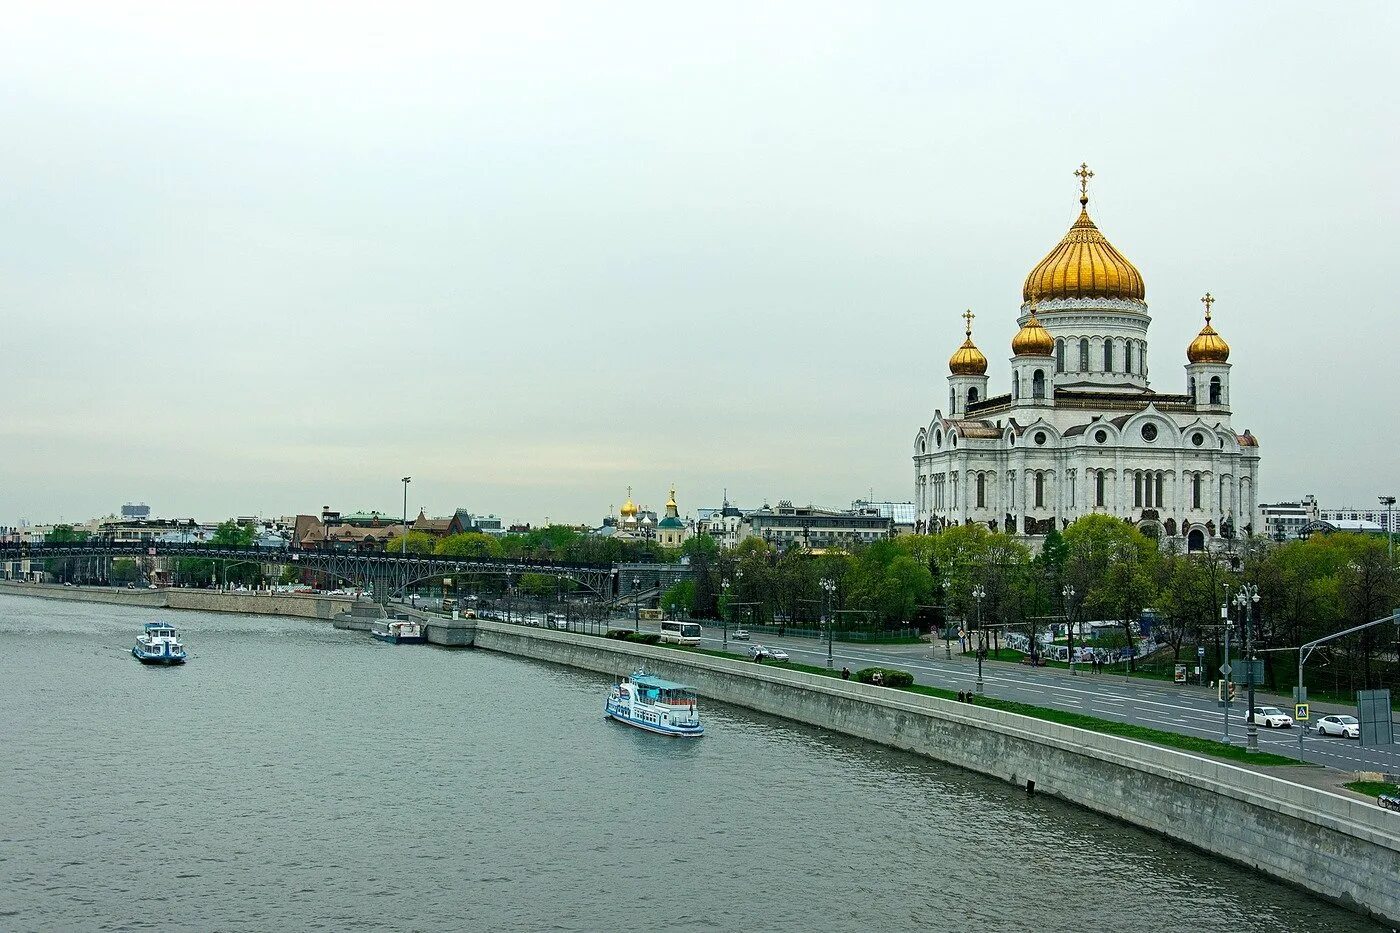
(1375, 788)
(1187, 743)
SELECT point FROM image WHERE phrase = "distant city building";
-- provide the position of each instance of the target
(137, 511)
(1385, 520)
(811, 527)
(672, 531)
(633, 523)
(1285, 521)
(904, 515)
(724, 524)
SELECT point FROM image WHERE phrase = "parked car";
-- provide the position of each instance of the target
(1346, 726)
(757, 652)
(740, 634)
(777, 654)
(1270, 716)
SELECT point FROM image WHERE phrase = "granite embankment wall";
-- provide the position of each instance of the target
(1338, 847)
(275, 604)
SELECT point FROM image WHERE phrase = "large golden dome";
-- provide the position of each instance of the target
(1208, 347)
(629, 508)
(968, 360)
(1084, 264)
(1033, 339)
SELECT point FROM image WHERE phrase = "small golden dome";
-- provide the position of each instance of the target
(671, 502)
(1084, 264)
(629, 507)
(1033, 339)
(1208, 347)
(968, 360)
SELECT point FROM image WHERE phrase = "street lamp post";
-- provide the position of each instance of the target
(1225, 687)
(978, 593)
(1247, 599)
(828, 586)
(724, 613)
(947, 638)
(1389, 503)
(636, 604)
(1068, 594)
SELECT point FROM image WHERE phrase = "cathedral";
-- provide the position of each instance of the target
(1081, 431)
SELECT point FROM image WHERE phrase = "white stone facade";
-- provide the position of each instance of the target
(1081, 432)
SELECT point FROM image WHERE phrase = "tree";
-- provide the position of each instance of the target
(1111, 564)
(414, 542)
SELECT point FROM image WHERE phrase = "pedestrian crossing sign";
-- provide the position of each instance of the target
(1300, 712)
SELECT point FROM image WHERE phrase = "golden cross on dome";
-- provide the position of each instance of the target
(1083, 174)
(1208, 300)
(968, 316)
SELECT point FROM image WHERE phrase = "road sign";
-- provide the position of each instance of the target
(1200, 651)
(1224, 670)
(1300, 712)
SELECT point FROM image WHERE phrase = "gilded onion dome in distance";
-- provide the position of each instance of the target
(1208, 347)
(1033, 339)
(1084, 264)
(629, 507)
(968, 360)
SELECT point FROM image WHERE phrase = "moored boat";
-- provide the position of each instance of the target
(656, 705)
(400, 632)
(158, 644)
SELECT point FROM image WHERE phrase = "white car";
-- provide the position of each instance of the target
(1346, 726)
(739, 634)
(1270, 716)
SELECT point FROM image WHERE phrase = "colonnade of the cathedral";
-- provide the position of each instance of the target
(1166, 501)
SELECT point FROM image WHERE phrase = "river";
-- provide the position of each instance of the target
(293, 776)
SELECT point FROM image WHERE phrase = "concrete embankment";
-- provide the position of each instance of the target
(275, 604)
(1340, 848)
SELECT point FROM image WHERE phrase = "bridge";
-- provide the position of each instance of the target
(386, 572)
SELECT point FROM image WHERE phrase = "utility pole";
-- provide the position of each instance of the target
(1225, 669)
(1389, 503)
(978, 592)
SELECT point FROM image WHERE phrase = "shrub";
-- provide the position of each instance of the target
(889, 677)
(643, 638)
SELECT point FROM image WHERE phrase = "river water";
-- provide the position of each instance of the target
(293, 776)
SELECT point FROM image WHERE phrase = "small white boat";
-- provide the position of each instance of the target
(400, 632)
(158, 644)
(655, 705)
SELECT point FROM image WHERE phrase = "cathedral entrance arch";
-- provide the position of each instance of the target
(1196, 540)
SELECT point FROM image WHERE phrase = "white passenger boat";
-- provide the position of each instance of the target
(158, 644)
(400, 632)
(655, 705)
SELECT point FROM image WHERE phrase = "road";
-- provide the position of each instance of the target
(1156, 704)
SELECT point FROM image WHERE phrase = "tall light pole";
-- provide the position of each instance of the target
(724, 612)
(947, 639)
(636, 604)
(1389, 503)
(1225, 670)
(1247, 599)
(828, 586)
(978, 593)
(1068, 594)
(406, 480)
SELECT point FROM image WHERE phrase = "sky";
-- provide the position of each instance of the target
(261, 258)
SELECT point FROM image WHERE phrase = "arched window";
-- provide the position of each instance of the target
(981, 490)
(1195, 490)
(1191, 388)
(1098, 488)
(971, 394)
(1038, 384)
(1083, 354)
(1215, 390)
(1161, 487)
(1060, 355)
(952, 399)
(1108, 356)
(1015, 385)
(1128, 357)
(1039, 489)
(1137, 490)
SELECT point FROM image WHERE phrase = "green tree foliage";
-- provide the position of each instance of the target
(471, 544)
(414, 542)
(123, 570)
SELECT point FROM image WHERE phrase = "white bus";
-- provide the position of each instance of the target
(681, 633)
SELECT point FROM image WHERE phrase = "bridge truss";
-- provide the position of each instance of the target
(387, 573)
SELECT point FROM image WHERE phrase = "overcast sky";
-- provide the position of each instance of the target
(264, 258)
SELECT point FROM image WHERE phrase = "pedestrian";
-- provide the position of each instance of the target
(877, 679)
(845, 673)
